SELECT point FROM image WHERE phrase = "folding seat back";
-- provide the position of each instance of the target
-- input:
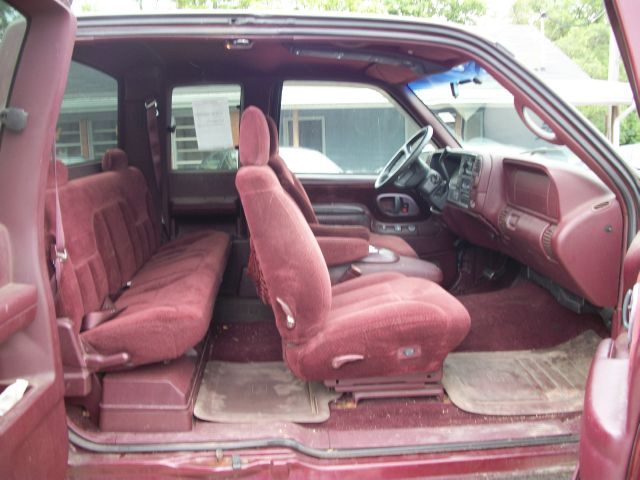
(287, 252)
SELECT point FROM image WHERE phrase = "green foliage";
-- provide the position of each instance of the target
(459, 11)
(630, 129)
(588, 46)
(371, 6)
(213, 4)
(580, 28)
(561, 16)
(596, 115)
(7, 16)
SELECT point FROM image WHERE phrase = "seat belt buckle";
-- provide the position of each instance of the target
(165, 227)
(152, 104)
(352, 272)
(61, 255)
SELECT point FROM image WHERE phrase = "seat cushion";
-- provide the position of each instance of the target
(393, 243)
(400, 325)
(170, 302)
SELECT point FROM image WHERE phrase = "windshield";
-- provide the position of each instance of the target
(481, 115)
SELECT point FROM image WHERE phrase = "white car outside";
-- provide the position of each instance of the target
(306, 160)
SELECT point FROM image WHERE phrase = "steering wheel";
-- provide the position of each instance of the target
(405, 157)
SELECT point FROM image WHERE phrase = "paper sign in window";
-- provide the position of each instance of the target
(213, 125)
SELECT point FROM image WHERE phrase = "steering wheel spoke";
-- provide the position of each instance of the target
(404, 157)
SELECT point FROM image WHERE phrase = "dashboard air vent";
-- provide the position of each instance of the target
(547, 235)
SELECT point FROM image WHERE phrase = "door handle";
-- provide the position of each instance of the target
(397, 205)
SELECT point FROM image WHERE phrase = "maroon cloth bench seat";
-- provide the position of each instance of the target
(114, 250)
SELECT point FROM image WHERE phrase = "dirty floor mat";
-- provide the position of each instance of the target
(260, 392)
(522, 382)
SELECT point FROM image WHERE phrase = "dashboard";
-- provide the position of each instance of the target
(559, 220)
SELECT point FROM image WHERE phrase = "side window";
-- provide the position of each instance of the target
(12, 29)
(332, 128)
(207, 123)
(88, 122)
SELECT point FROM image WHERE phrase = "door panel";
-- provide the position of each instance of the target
(33, 437)
(426, 233)
(342, 214)
(609, 443)
(354, 190)
(336, 137)
(612, 398)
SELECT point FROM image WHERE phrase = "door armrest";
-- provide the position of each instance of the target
(354, 231)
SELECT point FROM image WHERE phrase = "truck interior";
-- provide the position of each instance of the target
(419, 283)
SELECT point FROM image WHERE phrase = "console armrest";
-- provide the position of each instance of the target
(352, 231)
(341, 250)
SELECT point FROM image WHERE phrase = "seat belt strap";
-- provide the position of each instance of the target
(58, 250)
(108, 312)
(114, 297)
(151, 107)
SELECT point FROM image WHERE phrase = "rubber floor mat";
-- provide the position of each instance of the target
(523, 382)
(260, 392)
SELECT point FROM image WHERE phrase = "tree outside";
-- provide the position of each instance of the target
(580, 28)
(7, 16)
(459, 11)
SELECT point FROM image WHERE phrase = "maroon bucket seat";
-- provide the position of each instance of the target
(380, 325)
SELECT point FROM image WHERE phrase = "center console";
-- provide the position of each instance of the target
(463, 179)
(382, 260)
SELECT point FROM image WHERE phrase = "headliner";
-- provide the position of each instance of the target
(187, 56)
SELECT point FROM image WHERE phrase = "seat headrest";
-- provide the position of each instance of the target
(61, 171)
(254, 138)
(274, 147)
(114, 159)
